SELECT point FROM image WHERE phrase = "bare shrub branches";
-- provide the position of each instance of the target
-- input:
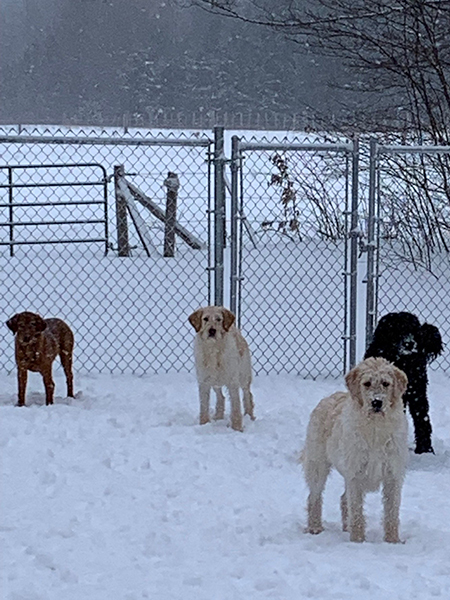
(414, 207)
(399, 53)
(310, 203)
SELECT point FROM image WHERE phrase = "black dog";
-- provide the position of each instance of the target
(400, 339)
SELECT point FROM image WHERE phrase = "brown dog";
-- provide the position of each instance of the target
(38, 342)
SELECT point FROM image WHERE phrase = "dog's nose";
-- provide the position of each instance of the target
(212, 332)
(377, 404)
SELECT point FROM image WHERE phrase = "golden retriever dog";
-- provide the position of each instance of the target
(222, 358)
(38, 342)
(363, 435)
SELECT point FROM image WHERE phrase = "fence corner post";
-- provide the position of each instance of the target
(371, 244)
(234, 218)
(354, 236)
(123, 246)
(172, 184)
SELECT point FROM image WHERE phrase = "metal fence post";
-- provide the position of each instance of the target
(11, 211)
(354, 234)
(371, 244)
(234, 222)
(219, 214)
(123, 246)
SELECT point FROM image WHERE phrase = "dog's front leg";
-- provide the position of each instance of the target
(344, 512)
(236, 412)
(204, 392)
(356, 521)
(22, 376)
(419, 409)
(66, 361)
(391, 504)
(249, 404)
(220, 403)
(49, 385)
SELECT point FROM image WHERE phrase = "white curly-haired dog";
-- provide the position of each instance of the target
(363, 435)
(222, 358)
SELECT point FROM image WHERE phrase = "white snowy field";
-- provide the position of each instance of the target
(119, 494)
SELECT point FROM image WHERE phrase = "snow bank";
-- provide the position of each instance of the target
(120, 494)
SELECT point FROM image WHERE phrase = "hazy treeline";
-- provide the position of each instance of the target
(94, 60)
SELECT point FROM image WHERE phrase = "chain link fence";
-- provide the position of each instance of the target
(294, 258)
(59, 246)
(410, 214)
(123, 234)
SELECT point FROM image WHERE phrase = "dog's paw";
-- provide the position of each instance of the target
(314, 530)
(237, 426)
(393, 540)
(424, 450)
(204, 419)
(219, 416)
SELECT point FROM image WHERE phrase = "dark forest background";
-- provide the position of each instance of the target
(94, 61)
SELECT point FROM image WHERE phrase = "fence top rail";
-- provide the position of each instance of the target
(395, 149)
(104, 141)
(309, 146)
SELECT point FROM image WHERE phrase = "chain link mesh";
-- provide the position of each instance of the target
(129, 314)
(414, 239)
(293, 292)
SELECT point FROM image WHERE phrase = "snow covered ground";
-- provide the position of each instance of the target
(119, 494)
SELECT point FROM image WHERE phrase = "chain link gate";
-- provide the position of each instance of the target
(408, 266)
(128, 311)
(294, 253)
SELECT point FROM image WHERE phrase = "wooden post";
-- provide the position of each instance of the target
(172, 184)
(160, 214)
(123, 246)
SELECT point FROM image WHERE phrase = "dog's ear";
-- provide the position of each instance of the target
(400, 382)
(13, 323)
(228, 319)
(196, 319)
(352, 380)
(431, 341)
